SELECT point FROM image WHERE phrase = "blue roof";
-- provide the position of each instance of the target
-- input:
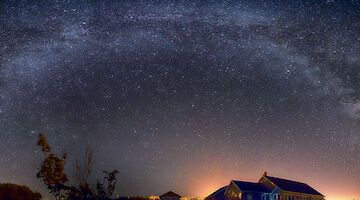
(251, 187)
(218, 194)
(293, 186)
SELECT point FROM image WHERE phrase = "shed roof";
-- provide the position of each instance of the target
(170, 194)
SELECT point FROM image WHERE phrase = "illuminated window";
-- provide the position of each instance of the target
(233, 194)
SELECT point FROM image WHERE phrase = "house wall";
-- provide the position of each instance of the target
(233, 192)
(299, 196)
(251, 196)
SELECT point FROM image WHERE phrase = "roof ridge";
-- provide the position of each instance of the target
(170, 193)
(245, 181)
(286, 179)
(250, 186)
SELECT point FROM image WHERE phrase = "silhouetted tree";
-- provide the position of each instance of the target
(108, 190)
(52, 170)
(52, 174)
(82, 172)
(11, 191)
(83, 192)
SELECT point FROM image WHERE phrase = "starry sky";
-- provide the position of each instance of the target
(184, 95)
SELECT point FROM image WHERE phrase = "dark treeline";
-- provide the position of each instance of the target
(11, 191)
(132, 198)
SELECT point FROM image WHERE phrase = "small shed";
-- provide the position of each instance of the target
(170, 196)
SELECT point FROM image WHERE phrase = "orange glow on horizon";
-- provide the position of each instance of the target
(204, 177)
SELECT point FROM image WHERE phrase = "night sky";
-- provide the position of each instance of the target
(184, 95)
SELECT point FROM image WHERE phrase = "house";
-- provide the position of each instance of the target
(268, 188)
(170, 196)
(247, 190)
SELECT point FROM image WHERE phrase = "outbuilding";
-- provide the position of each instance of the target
(170, 196)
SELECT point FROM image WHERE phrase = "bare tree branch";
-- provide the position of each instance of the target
(82, 172)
